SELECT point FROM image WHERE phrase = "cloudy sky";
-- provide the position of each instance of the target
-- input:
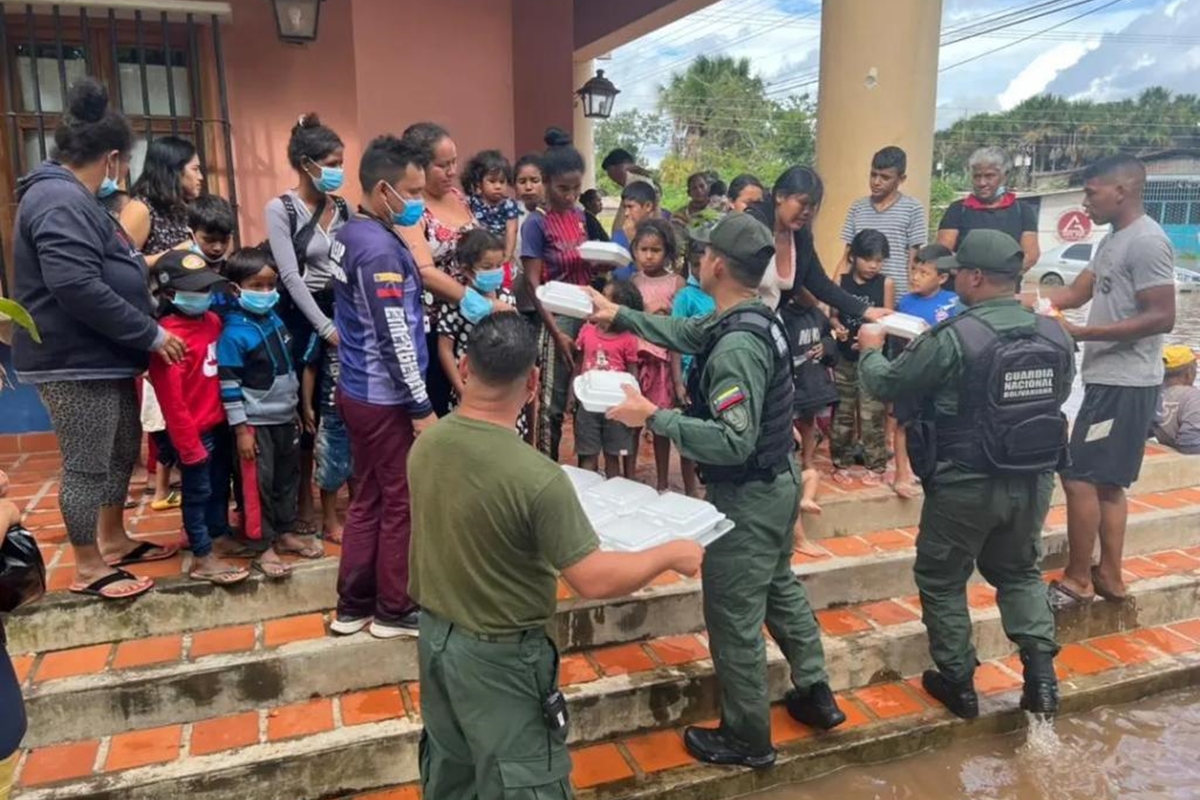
(1119, 48)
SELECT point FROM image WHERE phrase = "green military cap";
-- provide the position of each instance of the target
(741, 237)
(987, 250)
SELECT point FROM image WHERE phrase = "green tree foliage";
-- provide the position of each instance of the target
(1063, 134)
(634, 131)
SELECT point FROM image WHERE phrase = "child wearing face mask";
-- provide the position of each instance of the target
(189, 396)
(480, 256)
(261, 392)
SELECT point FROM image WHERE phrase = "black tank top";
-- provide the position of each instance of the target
(871, 293)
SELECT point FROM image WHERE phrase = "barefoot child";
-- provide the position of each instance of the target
(814, 352)
(865, 280)
(261, 394)
(653, 252)
(331, 442)
(933, 302)
(189, 396)
(600, 349)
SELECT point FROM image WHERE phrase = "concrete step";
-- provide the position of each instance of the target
(334, 746)
(628, 687)
(857, 569)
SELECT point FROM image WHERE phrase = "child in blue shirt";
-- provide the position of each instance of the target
(933, 302)
(690, 301)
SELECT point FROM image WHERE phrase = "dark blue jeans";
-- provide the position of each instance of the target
(205, 506)
(12, 707)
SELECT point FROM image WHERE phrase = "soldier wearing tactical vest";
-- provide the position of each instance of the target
(983, 392)
(739, 432)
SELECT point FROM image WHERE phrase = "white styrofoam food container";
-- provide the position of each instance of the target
(631, 534)
(598, 513)
(687, 517)
(722, 528)
(622, 496)
(566, 299)
(605, 253)
(582, 478)
(906, 326)
(599, 390)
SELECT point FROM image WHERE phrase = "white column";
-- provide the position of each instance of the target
(582, 134)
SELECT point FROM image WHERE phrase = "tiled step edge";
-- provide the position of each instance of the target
(899, 720)
(655, 694)
(874, 567)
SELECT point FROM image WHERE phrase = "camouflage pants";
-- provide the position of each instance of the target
(852, 403)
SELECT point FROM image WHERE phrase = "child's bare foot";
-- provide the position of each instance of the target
(810, 507)
(331, 530)
(803, 545)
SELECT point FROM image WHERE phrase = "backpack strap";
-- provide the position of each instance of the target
(301, 238)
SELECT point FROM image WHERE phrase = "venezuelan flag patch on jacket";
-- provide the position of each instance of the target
(729, 398)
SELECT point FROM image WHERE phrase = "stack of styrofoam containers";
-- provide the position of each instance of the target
(630, 516)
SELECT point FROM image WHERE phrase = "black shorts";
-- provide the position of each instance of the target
(1108, 441)
(596, 434)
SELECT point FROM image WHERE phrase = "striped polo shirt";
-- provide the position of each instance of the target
(903, 223)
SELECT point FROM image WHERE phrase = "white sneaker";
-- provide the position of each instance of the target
(344, 626)
(406, 626)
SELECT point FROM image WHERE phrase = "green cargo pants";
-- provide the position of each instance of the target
(481, 702)
(748, 579)
(995, 522)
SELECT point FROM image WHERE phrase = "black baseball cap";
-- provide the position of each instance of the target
(184, 271)
(987, 250)
(741, 237)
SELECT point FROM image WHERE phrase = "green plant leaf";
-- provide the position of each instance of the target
(17, 313)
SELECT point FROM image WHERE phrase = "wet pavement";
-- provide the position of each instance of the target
(1142, 751)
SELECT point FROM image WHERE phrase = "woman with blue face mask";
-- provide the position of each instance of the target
(301, 226)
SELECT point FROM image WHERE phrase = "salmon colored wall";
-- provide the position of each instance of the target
(543, 69)
(270, 84)
(449, 62)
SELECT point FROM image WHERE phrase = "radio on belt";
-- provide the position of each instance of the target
(554, 710)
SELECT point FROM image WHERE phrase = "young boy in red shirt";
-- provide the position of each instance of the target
(189, 394)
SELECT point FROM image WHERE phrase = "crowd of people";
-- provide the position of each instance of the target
(328, 353)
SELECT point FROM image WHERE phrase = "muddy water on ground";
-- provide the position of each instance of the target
(1142, 751)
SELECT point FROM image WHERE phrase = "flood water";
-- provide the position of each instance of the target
(1141, 751)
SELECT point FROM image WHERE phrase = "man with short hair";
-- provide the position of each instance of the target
(1131, 285)
(739, 431)
(494, 523)
(888, 210)
(639, 201)
(990, 384)
(622, 168)
(1179, 425)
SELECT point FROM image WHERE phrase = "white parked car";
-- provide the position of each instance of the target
(1061, 265)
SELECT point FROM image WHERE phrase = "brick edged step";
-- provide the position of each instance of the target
(335, 758)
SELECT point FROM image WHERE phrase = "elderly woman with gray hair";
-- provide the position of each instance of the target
(991, 206)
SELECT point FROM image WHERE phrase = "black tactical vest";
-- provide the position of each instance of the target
(1013, 385)
(773, 451)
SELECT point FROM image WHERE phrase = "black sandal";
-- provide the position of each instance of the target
(96, 588)
(142, 555)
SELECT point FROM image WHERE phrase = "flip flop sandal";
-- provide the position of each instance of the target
(96, 588)
(1102, 590)
(309, 553)
(226, 577)
(906, 491)
(305, 528)
(1063, 596)
(242, 551)
(131, 503)
(842, 477)
(872, 479)
(144, 553)
(173, 500)
(332, 538)
(272, 572)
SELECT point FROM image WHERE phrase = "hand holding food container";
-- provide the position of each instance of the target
(599, 390)
(565, 299)
(606, 254)
(871, 337)
(636, 409)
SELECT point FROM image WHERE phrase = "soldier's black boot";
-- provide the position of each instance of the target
(1041, 684)
(815, 707)
(960, 698)
(716, 746)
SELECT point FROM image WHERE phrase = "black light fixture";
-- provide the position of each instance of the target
(296, 20)
(597, 96)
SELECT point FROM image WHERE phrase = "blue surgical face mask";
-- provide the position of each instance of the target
(474, 306)
(108, 186)
(330, 179)
(258, 302)
(192, 303)
(413, 209)
(489, 280)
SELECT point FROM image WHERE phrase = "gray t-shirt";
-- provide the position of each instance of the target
(318, 265)
(903, 223)
(1128, 261)
(1180, 423)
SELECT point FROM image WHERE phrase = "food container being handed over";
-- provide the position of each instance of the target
(906, 326)
(566, 299)
(609, 253)
(599, 390)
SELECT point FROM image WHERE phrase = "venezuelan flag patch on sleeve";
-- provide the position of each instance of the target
(728, 398)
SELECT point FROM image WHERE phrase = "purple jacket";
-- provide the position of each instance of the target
(380, 317)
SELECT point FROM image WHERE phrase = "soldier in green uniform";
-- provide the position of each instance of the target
(739, 432)
(982, 393)
(494, 522)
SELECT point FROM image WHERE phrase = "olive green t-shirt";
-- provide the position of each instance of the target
(493, 523)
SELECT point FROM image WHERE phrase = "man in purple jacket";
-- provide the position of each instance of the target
(381, 390)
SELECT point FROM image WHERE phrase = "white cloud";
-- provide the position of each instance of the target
(1042, 70)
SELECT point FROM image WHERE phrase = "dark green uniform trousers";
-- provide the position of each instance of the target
(481, 702)
(995, 522)
(748, 579)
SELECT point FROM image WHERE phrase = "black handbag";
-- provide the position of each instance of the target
(22, 570)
